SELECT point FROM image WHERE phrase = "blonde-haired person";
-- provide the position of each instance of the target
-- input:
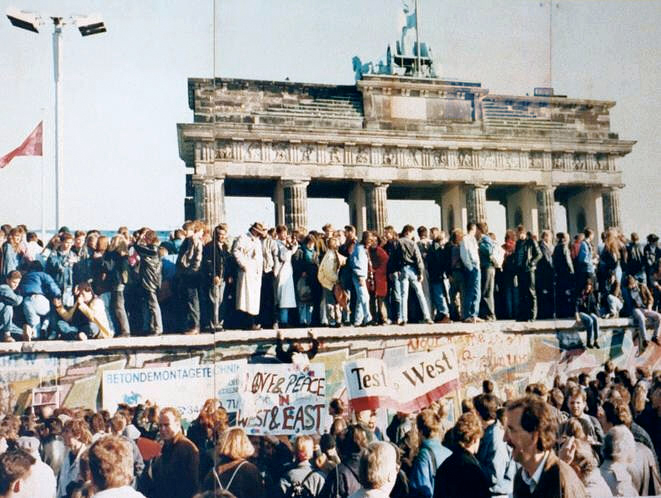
(234, 473)
(301, 472)
(431, 453)
(77, 438)
(378, 471)
(116, 267)
(111, 468)
(175, 473)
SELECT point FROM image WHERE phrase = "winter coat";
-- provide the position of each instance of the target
(285, 294)
(379, 259)
(430, 457)
(247, 252)
(557, 479)
(150, 267)
(60, 267)
(328, 274)
(461, 475)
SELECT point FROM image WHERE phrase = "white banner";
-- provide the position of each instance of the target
(283, 399)
(185, 387)
(407, 385)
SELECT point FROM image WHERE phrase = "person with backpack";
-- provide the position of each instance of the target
(344, 480)
(233, 472)
(301, 479)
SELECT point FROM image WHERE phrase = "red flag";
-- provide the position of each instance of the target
(31, 146)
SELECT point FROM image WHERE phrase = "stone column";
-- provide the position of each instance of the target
(476, 203)
(583, 210)
(611, 204)
(209, 198)
(357, 207)
(453, 207)
(545, 208)
(376, 199)
(295, 197)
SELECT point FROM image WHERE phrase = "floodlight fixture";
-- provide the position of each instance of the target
(23, 19)
(89, 25)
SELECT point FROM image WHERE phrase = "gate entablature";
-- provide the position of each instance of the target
(397, 130)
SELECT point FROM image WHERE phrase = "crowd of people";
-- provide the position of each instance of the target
(582, 437)
(84, 284)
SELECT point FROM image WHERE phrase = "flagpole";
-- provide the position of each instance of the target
(57, 60)
(417, 38)
(43, 189)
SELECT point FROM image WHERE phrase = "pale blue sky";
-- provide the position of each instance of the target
(125, 90)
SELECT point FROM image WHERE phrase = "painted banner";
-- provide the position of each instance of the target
(369, 385)
(408, 384)
(282, 399)
(186, 387)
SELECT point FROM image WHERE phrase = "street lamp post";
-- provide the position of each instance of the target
(87, 25)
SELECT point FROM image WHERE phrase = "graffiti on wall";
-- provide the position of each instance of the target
(510, 360)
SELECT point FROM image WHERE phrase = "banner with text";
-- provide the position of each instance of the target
(184, 387)
(407, 385)
(283, 399)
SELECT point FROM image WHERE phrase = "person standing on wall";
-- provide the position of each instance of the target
(189, 262)
(471, 260)
(247, 252)
(526, 255)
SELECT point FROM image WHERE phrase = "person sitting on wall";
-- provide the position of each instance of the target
(296, 352)
(639, 303)
(85, 319)
(8, 300)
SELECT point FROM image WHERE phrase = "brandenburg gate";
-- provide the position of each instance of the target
(401, 137)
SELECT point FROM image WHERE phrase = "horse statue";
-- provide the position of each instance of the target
(359, 68)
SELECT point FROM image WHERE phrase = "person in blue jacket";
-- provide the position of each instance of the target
(359, 264)
(8, 300)
(430, 455)
(38, 289)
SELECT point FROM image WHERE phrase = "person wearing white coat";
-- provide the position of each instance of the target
(247, 252)
(285, 293)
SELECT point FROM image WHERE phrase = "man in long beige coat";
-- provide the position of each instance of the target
(247, 252)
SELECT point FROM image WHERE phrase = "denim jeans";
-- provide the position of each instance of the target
(395, 294)
(189, 295)
(591, 326)
(6, 319)
(283, 316)
(68, 331)
(152, 312)
(305, 313)
(437, 290)
(408, 277)
(333, 312)
(487, 303)
(37, 312)
(472, 296)
(214, 305)
(614, 305)
(457, 292)
(640, 317)
(363, 315)
(119, 312)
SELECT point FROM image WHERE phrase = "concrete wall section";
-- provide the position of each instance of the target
(511, 354)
